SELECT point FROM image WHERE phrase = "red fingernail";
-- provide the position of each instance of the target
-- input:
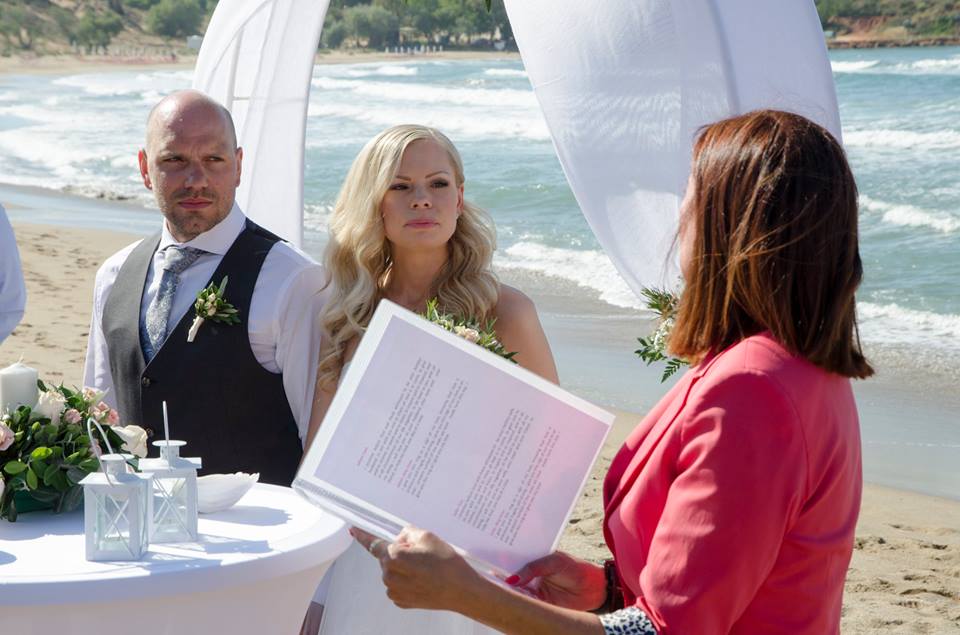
(512, 580)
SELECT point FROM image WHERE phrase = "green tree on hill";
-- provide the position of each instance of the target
(95, 31)
(378, 26)
(175, 18)
(19, 26)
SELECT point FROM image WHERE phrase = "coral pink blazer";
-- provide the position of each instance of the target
(731, 508)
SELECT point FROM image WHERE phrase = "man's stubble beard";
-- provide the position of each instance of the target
(188, 225)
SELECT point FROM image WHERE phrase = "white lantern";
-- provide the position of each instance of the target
(117, 507)
(174, 493)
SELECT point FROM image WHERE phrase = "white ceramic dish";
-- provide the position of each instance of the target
(216, 492)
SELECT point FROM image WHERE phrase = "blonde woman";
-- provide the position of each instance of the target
(402, 230)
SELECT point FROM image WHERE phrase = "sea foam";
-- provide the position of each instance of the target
(910, 216)
(590, 269)
(902, 139)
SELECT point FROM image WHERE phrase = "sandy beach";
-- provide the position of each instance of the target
(72, 64)
(905, 574)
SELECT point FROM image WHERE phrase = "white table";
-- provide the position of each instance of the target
(253, 570)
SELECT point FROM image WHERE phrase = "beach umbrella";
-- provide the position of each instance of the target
(625, 84)
(257, 60)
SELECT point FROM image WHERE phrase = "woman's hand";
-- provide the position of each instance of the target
(420, 570)
(563, 580)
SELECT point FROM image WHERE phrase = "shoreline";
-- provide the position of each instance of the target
(74, 64)
(62, 64)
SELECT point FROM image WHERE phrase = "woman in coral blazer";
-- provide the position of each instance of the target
(731, 508)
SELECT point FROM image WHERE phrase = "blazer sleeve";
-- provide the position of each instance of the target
(740, 478)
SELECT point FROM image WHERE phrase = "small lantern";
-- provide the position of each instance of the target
(174, 493)
(117, 507)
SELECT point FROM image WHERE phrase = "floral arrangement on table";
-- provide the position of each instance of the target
(470, 330)
(654, 348)
(45, 451)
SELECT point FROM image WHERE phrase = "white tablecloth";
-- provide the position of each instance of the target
(253, 570)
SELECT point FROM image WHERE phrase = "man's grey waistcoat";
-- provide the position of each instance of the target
(232, 412)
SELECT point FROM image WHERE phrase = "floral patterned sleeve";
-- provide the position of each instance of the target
(628, 621)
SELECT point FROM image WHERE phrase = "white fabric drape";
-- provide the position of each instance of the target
(625, 84)
(257, 60)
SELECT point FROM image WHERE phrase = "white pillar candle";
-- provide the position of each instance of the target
(18, 387)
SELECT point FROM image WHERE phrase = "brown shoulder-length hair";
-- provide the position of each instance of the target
(774, 243)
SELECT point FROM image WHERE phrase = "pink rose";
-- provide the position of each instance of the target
(6, 437)
(113, 417)
(72, 416)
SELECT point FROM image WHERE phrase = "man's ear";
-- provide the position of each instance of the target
(239, 165)
(144, 173)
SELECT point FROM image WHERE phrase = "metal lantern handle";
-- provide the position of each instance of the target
(91, 420)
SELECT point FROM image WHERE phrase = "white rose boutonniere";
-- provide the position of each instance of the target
(211, 305)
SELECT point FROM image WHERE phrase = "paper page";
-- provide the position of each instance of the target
(431, 430)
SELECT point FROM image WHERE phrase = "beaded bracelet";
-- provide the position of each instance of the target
(614, 597)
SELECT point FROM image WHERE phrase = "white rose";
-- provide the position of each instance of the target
(134, 439)
(211, 311)
(471, 335)
(50, 405)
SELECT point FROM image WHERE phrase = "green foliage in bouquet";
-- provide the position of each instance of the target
(654, 348)
(470, 330)
(45, 451)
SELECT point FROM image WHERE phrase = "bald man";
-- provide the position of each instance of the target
(239, 394)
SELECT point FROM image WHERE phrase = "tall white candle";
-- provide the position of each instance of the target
(18, 387)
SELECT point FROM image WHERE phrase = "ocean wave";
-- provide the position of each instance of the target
(505, 72)
(590, 269)
(929, 67)
(949, 66)
(910, 216)
(894, 324)
(453, 121)
(122, 84)
(902, 139)
(853, 67)
(430, 93)
(355, 71)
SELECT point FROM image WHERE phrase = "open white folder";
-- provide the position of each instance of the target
(429, 429)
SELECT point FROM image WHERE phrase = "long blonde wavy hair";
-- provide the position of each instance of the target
(358, 256)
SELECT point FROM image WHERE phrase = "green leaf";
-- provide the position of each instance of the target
(223, 286)
(41, 453)
(32, 479)
(72, 499)
(59, 481)
(75, 475)
(90, 465)
(14, 467)
(49, 472)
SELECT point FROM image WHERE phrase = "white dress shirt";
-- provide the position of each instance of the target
(283, 322)
(13, 292)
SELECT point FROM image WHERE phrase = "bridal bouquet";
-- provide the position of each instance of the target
(654, 348)
(470, 330)
(45, 451)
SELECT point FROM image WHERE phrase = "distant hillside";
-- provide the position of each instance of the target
(872, 22)
(31, 27)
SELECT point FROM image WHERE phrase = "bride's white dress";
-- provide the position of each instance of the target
(356, 603)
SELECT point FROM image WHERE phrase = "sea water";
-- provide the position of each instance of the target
(900, 110)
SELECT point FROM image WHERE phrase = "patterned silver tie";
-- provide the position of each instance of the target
(153, 325)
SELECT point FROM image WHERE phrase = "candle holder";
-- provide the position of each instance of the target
(116, 511)
(174, 493)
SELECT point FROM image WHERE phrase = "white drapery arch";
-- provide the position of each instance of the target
(257, 60)
(623, 85)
